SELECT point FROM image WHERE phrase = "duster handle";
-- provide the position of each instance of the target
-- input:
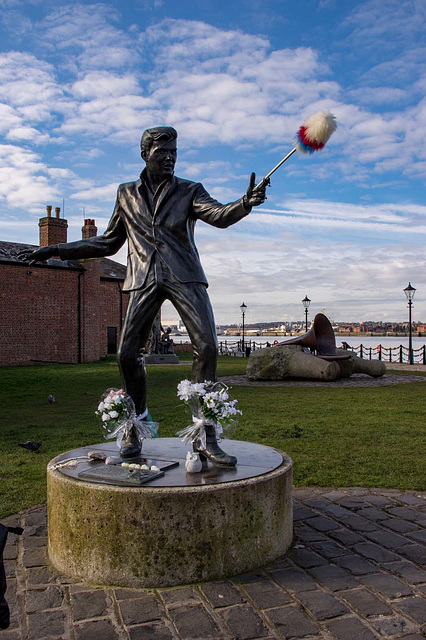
(265, 180)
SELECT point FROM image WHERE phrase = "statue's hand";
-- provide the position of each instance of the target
(38, 255)
(254, 195)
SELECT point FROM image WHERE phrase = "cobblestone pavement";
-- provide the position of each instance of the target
(356, 571)
(356, 380)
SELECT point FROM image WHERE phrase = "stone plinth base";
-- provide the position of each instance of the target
(161, 358)
(204, 526)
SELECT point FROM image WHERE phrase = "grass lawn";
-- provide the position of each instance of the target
(336, 437)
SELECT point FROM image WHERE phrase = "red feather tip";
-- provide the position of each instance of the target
(316, 146)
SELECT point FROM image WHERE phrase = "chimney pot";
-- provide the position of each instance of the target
(89, 228)
(52, 230)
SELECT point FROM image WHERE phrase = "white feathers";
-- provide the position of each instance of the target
(320, 126)
(315, 131)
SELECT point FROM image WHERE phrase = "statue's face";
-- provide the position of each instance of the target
(161, 158)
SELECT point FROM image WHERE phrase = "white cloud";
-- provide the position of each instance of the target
(402, 69)
(58, 172)
(186, 40)
(379, 95)
(28, 134)
(27, 82)
(239, 92)
(89, 31)
(383, 23)
(106, 193)
(240, 89)
(272, 275)
(92, 153)
(8, 118)
(29, 94)
(25, 180)
(104, 84)
(380, 219)
(115, 117)
(214, 171)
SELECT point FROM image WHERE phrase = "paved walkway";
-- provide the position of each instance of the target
(356, 380)
(356, 571)
(403, 366)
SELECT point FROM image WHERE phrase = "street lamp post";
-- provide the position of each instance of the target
(243, 308)
(409, 292)
(306, 302)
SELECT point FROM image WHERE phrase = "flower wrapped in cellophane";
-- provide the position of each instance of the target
(210, 404)
(118, 415)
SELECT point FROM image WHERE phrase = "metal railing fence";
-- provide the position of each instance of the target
(387, 354)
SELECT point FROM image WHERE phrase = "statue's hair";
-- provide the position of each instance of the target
(150, 136)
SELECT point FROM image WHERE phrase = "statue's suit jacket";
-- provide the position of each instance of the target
(168, 230)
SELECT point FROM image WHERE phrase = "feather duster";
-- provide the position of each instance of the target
(315, 132)
(311, 136)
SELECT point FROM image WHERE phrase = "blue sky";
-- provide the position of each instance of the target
(80, 81)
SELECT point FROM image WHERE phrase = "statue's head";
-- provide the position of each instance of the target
(159, 150)
(156, 135)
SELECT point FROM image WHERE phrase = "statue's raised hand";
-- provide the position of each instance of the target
(255, 195)
(38, 255)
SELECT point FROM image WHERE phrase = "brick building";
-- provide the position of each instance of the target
(59, 311)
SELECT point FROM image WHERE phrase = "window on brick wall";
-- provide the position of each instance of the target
(112, 340)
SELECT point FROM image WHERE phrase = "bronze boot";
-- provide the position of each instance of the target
(212, 451)
(131, 445)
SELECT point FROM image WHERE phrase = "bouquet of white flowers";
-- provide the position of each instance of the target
(210, 404)
(118, 415)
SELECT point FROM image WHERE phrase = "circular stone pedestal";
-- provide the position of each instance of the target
(178, 529)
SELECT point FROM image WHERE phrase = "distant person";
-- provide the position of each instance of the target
(157, 215)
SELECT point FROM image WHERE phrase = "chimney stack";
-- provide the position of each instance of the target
(52, 230)
(89, 229)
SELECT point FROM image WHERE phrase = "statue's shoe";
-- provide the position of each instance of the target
(131, 446)
(214, 453)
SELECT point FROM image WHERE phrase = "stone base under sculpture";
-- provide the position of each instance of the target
(291, 361)
(180, 528)
(161, 358)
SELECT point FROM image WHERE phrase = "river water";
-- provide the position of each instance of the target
(387, 348)
(366, 341)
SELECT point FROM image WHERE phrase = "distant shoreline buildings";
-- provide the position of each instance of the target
(368, 328)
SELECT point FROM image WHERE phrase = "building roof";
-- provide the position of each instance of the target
(112, 270)
(9, 253)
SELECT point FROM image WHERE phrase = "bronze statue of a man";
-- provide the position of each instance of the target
(157, 216)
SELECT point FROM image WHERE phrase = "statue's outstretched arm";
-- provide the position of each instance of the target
(95, 247)
(220, 215)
